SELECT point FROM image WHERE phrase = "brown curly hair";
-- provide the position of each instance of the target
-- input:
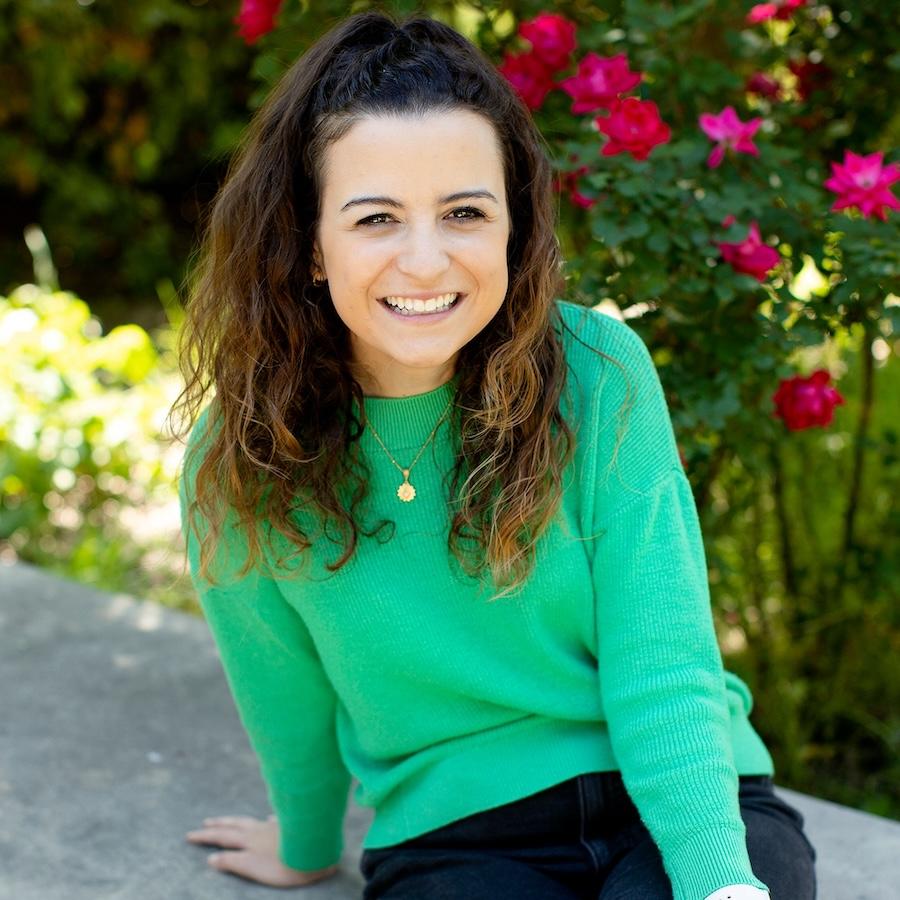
(259, 330)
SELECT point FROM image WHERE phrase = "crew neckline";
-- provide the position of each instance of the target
(406, 422)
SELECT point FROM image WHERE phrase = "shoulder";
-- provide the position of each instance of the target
(230, 546)
(605, 355)
(588, 334)
(625, 413)
(203, 431)
(204, 427)
(199, 439)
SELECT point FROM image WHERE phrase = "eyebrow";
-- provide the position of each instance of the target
(396, 204)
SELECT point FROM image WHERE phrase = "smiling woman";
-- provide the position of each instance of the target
(514, 653)
(386, 271)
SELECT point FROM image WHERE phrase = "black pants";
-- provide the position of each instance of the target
(581, 839)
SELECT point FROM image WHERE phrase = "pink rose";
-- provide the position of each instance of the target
(749, 256)
(553, 38)
(633, 126)
(529, 76)
(806, 402)
(599, 82)
(864, 183)
(729, 131)
(256, 18)
(781, 9)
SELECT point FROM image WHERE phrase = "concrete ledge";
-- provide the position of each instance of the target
(119, 735)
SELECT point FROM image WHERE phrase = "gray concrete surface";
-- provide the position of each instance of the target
(118, 735)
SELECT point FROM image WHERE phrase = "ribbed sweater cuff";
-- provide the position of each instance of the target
(709, 860)
(311, 825)
(310, 843)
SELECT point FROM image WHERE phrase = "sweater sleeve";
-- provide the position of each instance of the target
(283, 698)
(662, 681)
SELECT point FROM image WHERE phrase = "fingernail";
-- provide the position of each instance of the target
(213, 859)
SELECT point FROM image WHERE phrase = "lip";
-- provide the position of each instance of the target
(432, 317)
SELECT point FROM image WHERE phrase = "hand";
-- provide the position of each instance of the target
(255, 855)
(738, 892)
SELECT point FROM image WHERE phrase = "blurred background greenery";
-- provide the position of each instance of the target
(117, 121)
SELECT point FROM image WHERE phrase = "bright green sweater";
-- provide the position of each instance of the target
(396, 671)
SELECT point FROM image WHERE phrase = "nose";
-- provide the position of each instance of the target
(423, 256)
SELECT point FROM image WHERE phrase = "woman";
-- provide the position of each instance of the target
(437, 518)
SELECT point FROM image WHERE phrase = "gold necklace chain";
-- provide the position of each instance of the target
(406, 492)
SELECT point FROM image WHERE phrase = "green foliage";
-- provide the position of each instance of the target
(115, 121)
(86, 483)
(807, 616)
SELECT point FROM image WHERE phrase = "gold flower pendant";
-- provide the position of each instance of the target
(406, 492)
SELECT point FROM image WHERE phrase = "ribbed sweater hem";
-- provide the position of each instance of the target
(457, 786)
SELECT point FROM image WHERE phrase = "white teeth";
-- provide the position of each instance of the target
(413, 307)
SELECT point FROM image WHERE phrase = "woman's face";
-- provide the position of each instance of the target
(390, 226)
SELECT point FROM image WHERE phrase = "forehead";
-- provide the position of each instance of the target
(415, 152)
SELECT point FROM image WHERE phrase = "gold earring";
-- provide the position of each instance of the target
(317, 280)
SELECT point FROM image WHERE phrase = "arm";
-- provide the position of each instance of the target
(661, 676)
(283, 698)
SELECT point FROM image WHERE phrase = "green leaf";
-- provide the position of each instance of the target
(609, 231)
(632, 187)
(658, 242)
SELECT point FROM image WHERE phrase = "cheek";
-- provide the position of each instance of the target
(494, 267)
(355, 277)
(484, 257)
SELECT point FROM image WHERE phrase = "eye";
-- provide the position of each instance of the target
(476, 213)
(369, 220)
(472, 214)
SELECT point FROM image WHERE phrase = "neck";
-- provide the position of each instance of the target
(407, 383)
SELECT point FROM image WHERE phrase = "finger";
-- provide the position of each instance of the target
(230, 820)
(221, 837)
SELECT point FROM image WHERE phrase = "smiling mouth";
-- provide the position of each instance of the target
(424, 313)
